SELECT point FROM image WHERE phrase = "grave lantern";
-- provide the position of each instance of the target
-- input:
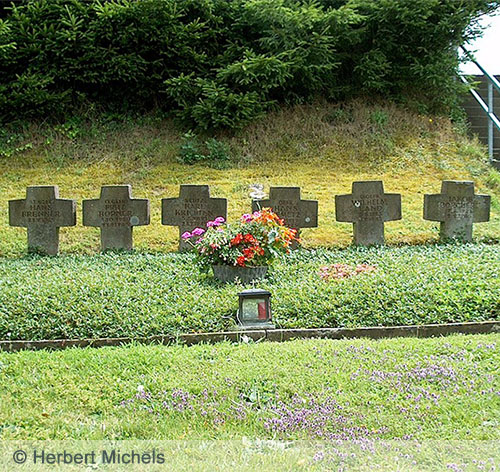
(255, 309)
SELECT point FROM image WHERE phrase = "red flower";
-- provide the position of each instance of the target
(248, 252)
(241, 261)
(236, 240)
(248, 238)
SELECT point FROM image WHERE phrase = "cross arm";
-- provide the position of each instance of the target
(308, 213)
(218, 207)
(392, 207)
(345, 211)
(66, 209)
(168, 208)
(90, 210)
(16, 208)
(140, 212)
(432, 211)
(259, 204)
(482, 204)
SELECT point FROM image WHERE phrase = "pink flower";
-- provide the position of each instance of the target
(186, 235)
(365, 268)
(256, 214)
(217, 222)
(343, 271)
(246, 218)
(198, 231)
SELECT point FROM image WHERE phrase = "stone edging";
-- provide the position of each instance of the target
(275, 335)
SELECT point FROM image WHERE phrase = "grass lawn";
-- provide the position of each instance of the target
(321, 148)
(79, 296)
(441, 388)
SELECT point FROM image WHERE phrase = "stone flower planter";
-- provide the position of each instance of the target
(244, 274)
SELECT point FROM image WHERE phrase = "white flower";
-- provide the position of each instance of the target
(256, 187)
(257, 195)
(257, 191)
(272, 236)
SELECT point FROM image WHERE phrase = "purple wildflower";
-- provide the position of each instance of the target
(319, 456)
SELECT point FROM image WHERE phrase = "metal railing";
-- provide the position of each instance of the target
(493, 83)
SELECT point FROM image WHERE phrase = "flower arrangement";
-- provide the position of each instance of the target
(253, 241)
(344, 271)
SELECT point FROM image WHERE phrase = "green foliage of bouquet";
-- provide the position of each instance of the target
(255, 240)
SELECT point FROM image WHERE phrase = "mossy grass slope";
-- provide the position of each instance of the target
(322, 148)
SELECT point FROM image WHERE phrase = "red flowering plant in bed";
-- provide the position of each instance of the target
(253, 241)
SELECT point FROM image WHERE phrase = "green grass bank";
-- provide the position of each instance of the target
(441, 388)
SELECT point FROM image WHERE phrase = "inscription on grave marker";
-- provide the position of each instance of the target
(116, 213)
(43, 213)
(368, 208)
(40, 211)
(457, 208)
(193, 208)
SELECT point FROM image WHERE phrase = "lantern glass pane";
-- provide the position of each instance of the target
(254, 309)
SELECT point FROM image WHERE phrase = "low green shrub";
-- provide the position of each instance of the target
(213, 152)
(150, 294)
(12, 143)
(190, 149)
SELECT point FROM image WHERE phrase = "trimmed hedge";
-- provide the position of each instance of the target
(115, 295)
(222, 63)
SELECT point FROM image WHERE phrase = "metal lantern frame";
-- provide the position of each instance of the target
(255, 294)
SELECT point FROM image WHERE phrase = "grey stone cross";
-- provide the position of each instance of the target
(43, 213)
(457, 208)
(287, 204)
(116, 213)
(193, 208)
(368, 208)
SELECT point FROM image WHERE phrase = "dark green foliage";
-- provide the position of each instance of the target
(214, 152)
(11, 143)
(223, 63)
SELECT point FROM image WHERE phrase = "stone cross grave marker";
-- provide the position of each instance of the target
(457, 208)
(116, 213)
(368, 208)
(287, 204)
(193, 208)
(43, 213)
